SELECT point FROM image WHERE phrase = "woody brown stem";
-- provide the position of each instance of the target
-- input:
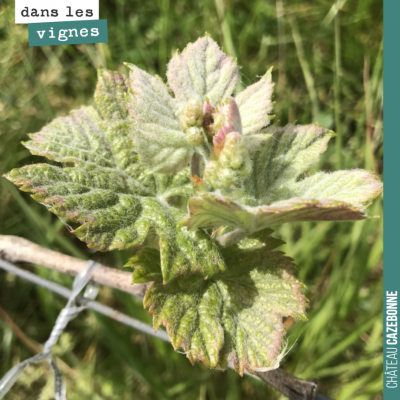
(15, 249)
(290, 386)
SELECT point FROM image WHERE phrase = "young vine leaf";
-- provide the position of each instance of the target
(235, 316)
(196, 177)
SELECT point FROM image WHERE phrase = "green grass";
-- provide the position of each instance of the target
(324, 65)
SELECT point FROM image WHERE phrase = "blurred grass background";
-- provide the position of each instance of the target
(327, 59)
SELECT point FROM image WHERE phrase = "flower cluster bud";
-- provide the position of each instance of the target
(194, 135)
(231, 166)
(235, 154)
(219, 121)
(192, 114)
(192, 122)
(231, 162)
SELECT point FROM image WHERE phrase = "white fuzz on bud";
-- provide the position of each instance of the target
(211, 174)
(232, 164)
(194, 135)
(192, 114)
(192, 122)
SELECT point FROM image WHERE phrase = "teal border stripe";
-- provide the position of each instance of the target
(391, 167)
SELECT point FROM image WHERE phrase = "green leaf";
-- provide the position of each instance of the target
(110, 94)
(255, 104)
(110, 97)
(234, 316)
(212, 210)
(202, 70)
(175, 185)
(103, 147)
(85, 138)
(357, 187)
(114, 216)
(77, 138)
(108, 192)
(147, 266)
(159, 139)
(291, 151)
(279, 157)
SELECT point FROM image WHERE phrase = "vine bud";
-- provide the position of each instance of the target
(228, 178)
(234, 153)
(211, 174)
(194, 136)
(192, 114)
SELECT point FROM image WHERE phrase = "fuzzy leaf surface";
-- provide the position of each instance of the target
(157, 133)
(202, 70)
(275, 195)
(356, 187)
(233, 316)
(282, 158)
(112, 216)
(89, 137)
(212, 210)
(113, 197)
(255, 104)
(175, 185)
(110, 94)
(87, 140)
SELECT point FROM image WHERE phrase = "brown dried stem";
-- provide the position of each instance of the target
(16, 249)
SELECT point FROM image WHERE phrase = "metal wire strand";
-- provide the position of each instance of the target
(69, 312)
(93, 305)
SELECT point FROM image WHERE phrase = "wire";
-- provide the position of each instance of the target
(93, 305)
(69, 312)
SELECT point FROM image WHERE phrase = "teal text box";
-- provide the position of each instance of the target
(68, 32)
